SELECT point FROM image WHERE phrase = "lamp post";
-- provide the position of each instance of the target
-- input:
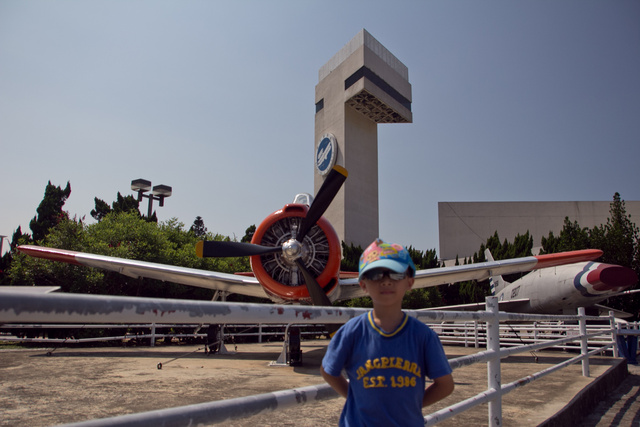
(159, 192)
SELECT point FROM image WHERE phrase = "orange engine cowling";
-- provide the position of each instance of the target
(321, 255)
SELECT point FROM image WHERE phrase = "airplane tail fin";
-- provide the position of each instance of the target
(497, 282)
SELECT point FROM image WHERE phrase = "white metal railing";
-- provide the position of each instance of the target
(473, 334)
(498, 339)
(467, 334)
(40, 335)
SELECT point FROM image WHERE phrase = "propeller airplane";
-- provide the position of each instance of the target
(295, 259)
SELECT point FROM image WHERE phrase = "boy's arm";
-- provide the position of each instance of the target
(339, 384)
(441, 388)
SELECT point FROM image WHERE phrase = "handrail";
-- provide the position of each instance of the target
(493, 395)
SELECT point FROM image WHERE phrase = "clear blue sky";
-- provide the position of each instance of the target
(512, 101)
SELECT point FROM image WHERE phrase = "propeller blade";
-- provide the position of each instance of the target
(212, 248)
(318, 296)
(323, 199)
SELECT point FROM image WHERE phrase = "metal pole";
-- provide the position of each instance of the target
(219, 411)
(612, 325)
(584, 343)
(466, 334)
(150, 205)
(493, 365)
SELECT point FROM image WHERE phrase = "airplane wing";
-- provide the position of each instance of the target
(510, 306)
(232, 283)
(29, 289)
(603, 310)
(349, 288)
(483, 270)
(247, 285)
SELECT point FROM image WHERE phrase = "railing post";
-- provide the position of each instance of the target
(618, 328)
(477, 333)
(614, 335)
(466, 335)
(584, 343)
(153, 335)
(493, 365)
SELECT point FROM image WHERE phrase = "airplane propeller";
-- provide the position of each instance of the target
(318, 297)
(292, 249)
(213, 249)
(323, 199)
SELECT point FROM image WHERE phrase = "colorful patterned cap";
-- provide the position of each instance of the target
(385, 255)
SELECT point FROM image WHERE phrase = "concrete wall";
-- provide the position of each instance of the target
(464, 226)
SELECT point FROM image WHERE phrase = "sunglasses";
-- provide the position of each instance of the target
(378, 274)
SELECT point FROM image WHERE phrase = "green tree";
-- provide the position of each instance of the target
(619, 238)
(121, 204)
(350, 257)
(101, 210)
(423, 260)
(572, 237)
(6, 260)
(450, 292)
(49, 212)
(198, 228)
(123, 235)
(248, 234)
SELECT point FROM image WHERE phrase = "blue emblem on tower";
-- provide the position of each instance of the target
(326, 153)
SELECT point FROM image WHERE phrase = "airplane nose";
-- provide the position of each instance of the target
(609, 277)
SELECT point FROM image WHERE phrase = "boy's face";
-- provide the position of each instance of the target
(385, 287)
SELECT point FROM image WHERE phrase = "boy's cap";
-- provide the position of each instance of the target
(380, 254)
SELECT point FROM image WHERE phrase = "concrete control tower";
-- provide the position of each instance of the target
(361, 86)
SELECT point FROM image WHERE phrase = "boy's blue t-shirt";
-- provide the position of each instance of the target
(386, 371)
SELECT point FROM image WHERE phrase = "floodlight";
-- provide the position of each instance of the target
(159, 193)
(161, 190)
(140, 185)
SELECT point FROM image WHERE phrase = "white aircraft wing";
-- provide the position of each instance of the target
(603, 310)
(513, 306)
(29, 289)
(349, 288)
(484, 270)
(232, 283)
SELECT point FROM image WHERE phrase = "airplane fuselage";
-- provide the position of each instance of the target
(565, 288)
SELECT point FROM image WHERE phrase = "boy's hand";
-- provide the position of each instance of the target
(441, 388)
(339, 384)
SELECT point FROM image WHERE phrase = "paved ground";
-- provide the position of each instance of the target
(622, 407)
(75, 385)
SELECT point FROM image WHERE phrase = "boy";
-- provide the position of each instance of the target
(386, 353)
